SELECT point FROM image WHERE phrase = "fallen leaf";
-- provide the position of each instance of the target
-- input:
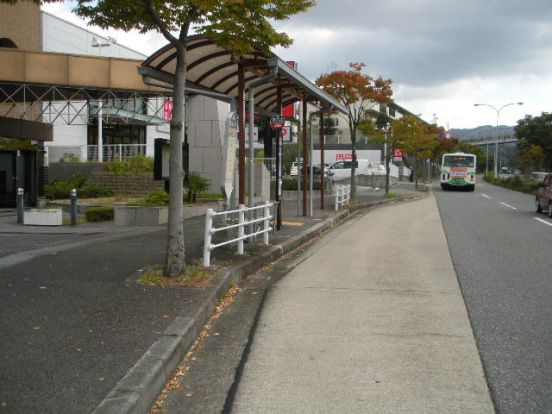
(78, 349)
(36, 328)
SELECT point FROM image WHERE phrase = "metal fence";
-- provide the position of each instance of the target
(342, 195)
(116, 152)
(82, 153)
(237, 218)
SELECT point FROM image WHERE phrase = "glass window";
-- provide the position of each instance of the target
(458, 161)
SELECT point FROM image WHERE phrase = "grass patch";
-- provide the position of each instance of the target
(195, 276)
(391, 195)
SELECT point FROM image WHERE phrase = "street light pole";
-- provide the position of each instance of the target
(496, 140)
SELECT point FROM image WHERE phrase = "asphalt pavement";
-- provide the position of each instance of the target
(501, 252)
(74, 320)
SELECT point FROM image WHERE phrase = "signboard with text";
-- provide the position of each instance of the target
(397, 155)
(343, 157)
(167, 109)
(229, 154)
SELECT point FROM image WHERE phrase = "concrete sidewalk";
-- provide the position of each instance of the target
(373, 321)
(75, 322)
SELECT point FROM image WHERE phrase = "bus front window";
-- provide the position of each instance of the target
(458, 161)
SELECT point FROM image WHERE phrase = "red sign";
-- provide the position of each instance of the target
(277, 122)
(288, 111)
(167, 109)
(343, 157)
(397, 154)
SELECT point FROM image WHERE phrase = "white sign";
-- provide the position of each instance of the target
(286, 134)
(255, 133)
(229, 154)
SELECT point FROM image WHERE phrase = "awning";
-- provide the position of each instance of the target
(27, 130)
(212, 68)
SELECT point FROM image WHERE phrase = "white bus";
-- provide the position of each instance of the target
(458, 171)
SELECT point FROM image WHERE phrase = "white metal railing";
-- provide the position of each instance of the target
(342, 195)
(83, 153)
(241, 226)
(116, 152)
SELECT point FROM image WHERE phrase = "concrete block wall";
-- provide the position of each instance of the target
(206, 122)
(134, 185)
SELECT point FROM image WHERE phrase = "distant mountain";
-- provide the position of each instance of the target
(481, 131)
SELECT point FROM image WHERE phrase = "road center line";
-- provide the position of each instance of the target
(508, 205)
(486, 196)
(543, 221)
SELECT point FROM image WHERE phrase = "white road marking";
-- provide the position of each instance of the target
(486, 196)
(508, 205)
(543, 221)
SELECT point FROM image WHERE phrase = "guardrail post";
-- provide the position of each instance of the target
(266, 222)
(73, 207)
(337, 198)
(207, 238)
(241, 228)
(20, 205)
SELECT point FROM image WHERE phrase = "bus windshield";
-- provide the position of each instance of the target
(458, 161)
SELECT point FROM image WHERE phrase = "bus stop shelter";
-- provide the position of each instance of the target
(269, 81)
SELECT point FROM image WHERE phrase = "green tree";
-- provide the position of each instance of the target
(537, 130)
(529, 155)
(417, 139)
(237, 25)
(359, 93)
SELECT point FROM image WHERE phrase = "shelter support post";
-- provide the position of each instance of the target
(241, 135)
(303, 168)
(279, 163)
(322, 172)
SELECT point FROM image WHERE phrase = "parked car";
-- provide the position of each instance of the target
(340, 170)
(294, 170)
(543, 199)
(504, 173)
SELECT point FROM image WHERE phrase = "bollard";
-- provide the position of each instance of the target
(266, 222)
(241, 228)
(207, 238)
(73, 207)
(20, 205)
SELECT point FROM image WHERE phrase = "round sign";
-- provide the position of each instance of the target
(277, 122)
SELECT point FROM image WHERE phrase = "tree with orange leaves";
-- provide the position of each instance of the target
(359, 93)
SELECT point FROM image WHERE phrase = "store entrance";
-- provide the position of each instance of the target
(7, 179)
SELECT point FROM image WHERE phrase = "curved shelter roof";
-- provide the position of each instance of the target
(213, 68)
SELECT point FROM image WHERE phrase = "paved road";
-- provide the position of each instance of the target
(370, 320)
(503, 258)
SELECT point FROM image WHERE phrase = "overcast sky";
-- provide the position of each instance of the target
(442, 55)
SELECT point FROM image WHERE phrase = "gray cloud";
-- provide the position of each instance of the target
(427, 42)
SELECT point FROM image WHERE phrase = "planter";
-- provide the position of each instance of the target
(43, 217)
(155, 216)
(140, 216)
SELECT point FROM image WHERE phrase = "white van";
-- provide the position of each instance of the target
(341, 170)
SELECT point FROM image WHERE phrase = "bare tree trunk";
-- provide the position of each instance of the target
(387, 159)
(175, 260)
(353, 164)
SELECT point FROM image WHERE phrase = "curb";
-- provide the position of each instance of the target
(138, 389)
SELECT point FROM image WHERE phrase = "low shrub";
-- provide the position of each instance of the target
(61, 189)
(99, 214)
(68, 157)
(94, 190)
(290, 184)
(157, 198)
(138, 164)
(516, 183)
(195, 184)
